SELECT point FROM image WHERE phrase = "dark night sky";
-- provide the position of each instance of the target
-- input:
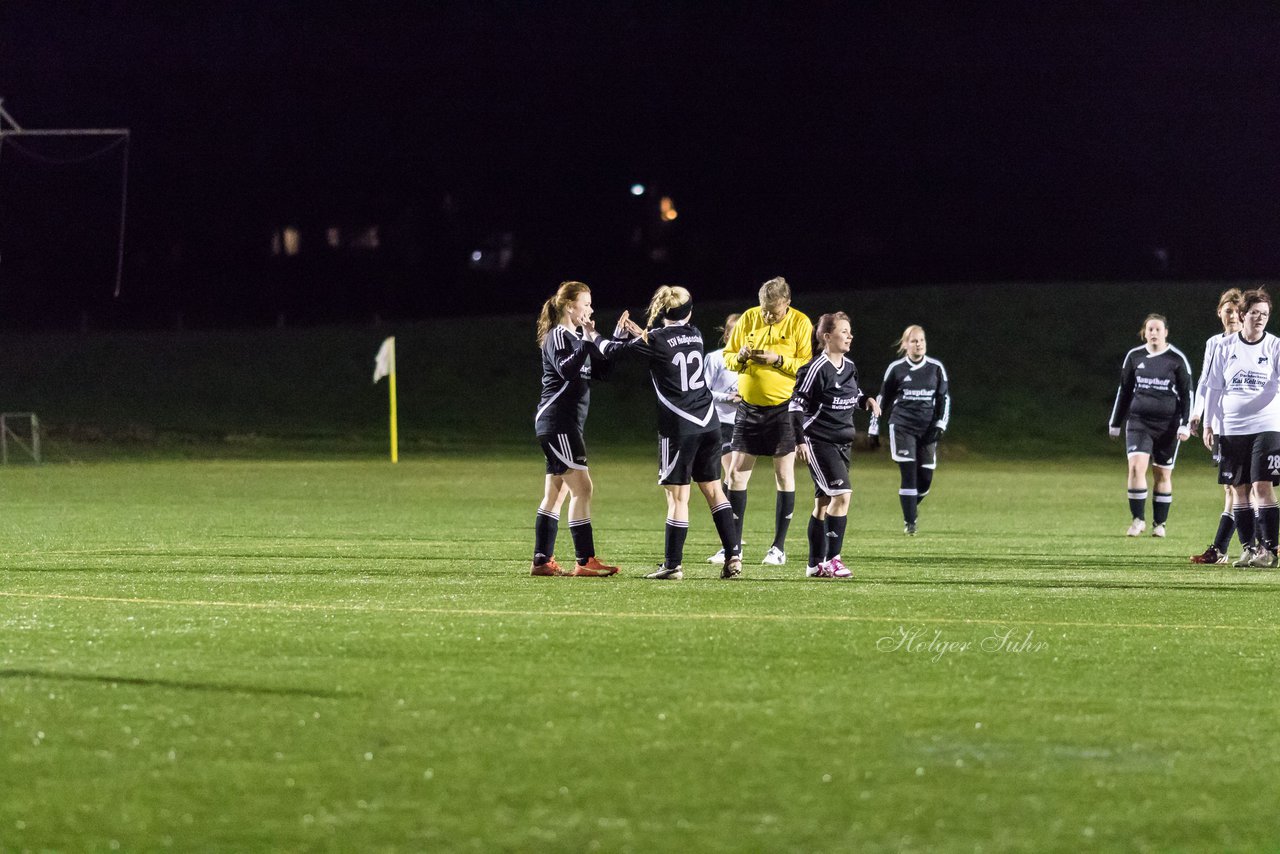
(845, 143)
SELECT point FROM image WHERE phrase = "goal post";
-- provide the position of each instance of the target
(28, 440)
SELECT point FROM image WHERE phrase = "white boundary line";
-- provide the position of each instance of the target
(630, 615)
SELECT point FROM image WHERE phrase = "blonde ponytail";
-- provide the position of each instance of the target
(666, 298)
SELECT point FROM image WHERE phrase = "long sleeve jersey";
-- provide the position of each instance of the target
(1243, 392)
(675, 360)
(724, 386)
(791, 338)
(824, 400)
(569, 363)
(1154, 387)
(1202, 388)
(914, 396)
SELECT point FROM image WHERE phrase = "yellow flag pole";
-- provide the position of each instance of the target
(395, 439)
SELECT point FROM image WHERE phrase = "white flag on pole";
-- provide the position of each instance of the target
(384, 361)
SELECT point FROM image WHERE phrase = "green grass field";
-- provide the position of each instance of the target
(350, 656)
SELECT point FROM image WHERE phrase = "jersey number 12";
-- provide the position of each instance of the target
(690, 365)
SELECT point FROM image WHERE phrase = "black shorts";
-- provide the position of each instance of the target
(763, 431)
(1158, 440)
(907, 447)
(563, 451)
(726, 437)
(695, 458)
(1251, 458)
(829, 465)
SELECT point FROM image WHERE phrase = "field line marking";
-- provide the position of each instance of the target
(638, 615)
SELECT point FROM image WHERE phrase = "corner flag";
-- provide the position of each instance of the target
(384, 365)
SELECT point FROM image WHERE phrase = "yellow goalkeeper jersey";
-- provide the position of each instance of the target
(791, 338)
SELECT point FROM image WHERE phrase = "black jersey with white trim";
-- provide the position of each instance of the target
(569, 363)
(914, 396)
(676, 368)
(824, 399)
(1154, 387)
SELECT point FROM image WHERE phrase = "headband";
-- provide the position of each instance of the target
(679, 312)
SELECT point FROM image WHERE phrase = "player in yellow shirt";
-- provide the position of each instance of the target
(769, 345)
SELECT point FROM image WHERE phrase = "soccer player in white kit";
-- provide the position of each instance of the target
(1229, 315)
(1244, 392)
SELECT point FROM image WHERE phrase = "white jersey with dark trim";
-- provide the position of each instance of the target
(914, 396)
(567, 371)
(1202, 388)
(678, 373)
(1155, 387)
(724, 386)
(1244, 385)
(824, 399)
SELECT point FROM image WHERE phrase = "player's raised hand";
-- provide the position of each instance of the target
(620, 330)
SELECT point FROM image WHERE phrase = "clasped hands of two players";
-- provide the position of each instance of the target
(629, 328)
(1184, 433)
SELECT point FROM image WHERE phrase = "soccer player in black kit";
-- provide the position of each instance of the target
(570, 360)
(688, 429)
(821, 410)
(1153, 404)
(916, 398)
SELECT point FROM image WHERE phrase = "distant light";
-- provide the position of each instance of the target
(667, 208)
(477, 255)
(637, 189)
(292, 241)
(333, 237)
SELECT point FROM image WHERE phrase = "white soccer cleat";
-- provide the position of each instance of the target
(1158, 530)
(1136, 528)
(819, 571)
(1263, 558)
(717, 559)
(775, 557)
(665, 574)
(1246, 557)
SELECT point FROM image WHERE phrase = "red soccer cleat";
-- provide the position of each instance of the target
(593, 568)
(548, 568)
(1211, 555)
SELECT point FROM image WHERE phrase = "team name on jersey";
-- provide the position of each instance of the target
(1248, 380)
(1145, 383)
(680, 340)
